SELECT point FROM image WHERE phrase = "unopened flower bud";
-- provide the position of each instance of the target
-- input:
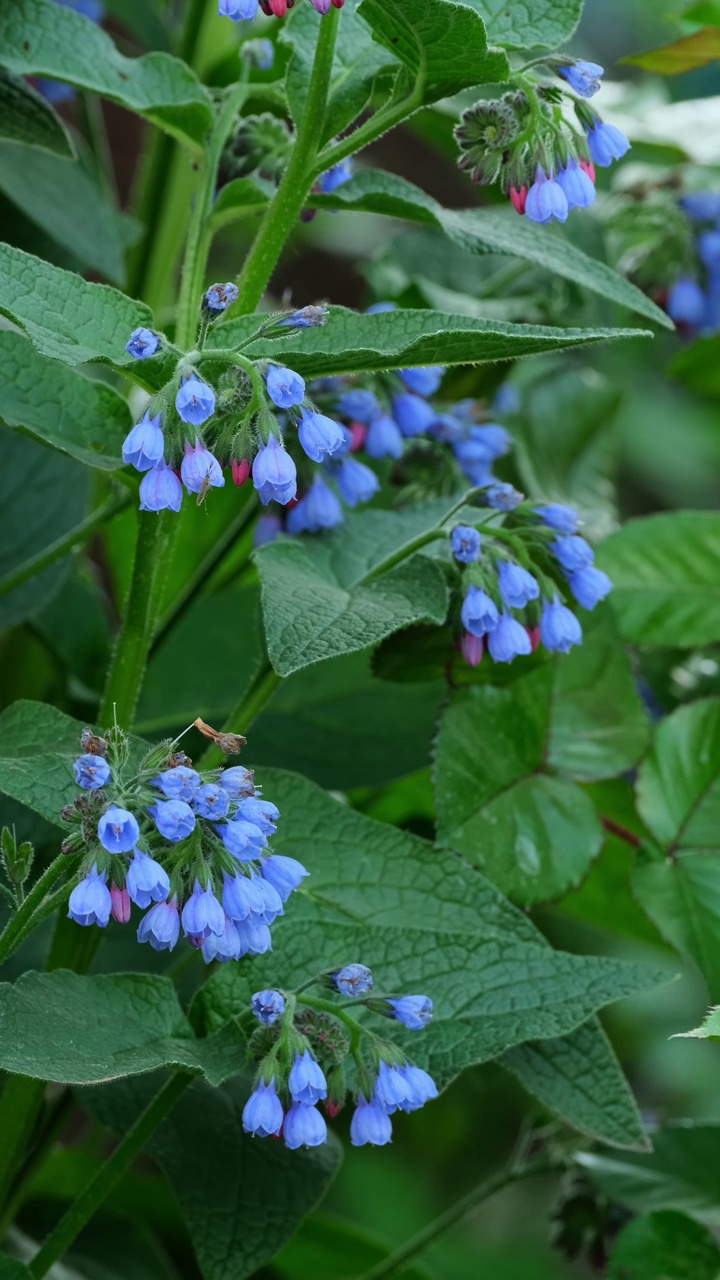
(120, 899)
(240, 472)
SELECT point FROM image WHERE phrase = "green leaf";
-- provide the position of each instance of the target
(709, 1028)
(698, 366)
(579, 1078)
(26, 117)
(527, 26)
(665, 1246)
(664, 568)
(482, 231)
(241, 1197)
(37, 746)
(681, 895)
(422, 918)
(38, 396)
(11, 1269)
(74, 1029)
(678, 786)
(40, 38)
(442, 43)
(42, 497)
(325, 597)
(685, 54)
(357, 62)
(707, 11)
(682, 1172)
(84, 220)
(326, 1247)
(351, 343)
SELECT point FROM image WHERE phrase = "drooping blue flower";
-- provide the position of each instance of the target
(272, 902)
(224, 946)
(263, 813)
(304, 1127)
(589, 586)
(702, 206)
(211, 801)
(559, 517)
(546, 199)
(237, 781)
(335, 177)
(577, 185)
(413, 1011)
(90, 901)
(118, 830)
(517, 586)
(174, 819)
(200, 468)
(508, 640)
(284, 874)
(179, 783)
(144, 446)
(686, 302)
(202, 913)
(573, 552)
(359, 404)
(559, 628)
(607, 143)
(195, 401)
(263, 1114)
(353, 980)
(241, 898)
(465, 543)
(356, 482)
(160, 926)
(267, 529)
(424, 382)
(493, 438)
(160, 490)
(384, 438)
(413, 415)
(238, 10)
(221, 296)
(306, 1081)
(268, 1006)
(391, 1090)
(307, 317)
(254, 937)
(274, 475)
(422, 1087)
(285, 387)
(479, 613)
(502, 496)
(583, 77)
(319, 509)
(142, 343)
(370, 1125)
(146, 881)
(378, 307)
(320, 437)
(243, 840)
(91, 772)
(260, 53)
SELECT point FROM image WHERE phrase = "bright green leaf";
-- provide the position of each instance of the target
(26, 117)
(685, 54)
(665, 1246)
(529, 25)
(41, 38)
(678, 787)
(681, 895)
(709, 1028)
(682, 1172)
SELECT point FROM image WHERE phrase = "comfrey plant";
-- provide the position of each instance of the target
(693, 300)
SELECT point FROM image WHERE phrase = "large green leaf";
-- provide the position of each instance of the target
(664, 568)
(76, 1029)
(241, 1197)
(681, 895)
(26, 117)
(698, 366)
(684, 54)
(525, 26)
(442, 44)
(482, 231)
(41, 38)
(84, 221)
(682, 1172)
(665, 1246)
(326, 597)
(58, 407)
(37, 746)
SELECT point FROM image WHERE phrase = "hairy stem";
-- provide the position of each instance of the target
(22, 921)
(62, 546)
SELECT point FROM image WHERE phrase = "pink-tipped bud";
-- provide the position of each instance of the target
(589, 168)
(534, 635)
(518, 195)
(332, 1107)
(278, 7)
(338, 4)
(358, 432)
(240, 472)
(120, 899)
(472, 649)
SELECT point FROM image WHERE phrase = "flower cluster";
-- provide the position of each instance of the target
(188, 847)
(246, 10)
(693, 300)
(525, 141)
(311, 1050)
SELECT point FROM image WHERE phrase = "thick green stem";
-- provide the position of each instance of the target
(17, 927)
(62, 546)
(398, 1259)
(245, 712)
(107, 1177)
(374, 128)
(284, 209)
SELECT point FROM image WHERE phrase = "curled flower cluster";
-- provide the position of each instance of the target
(524, 141)
(305, 1057)
(189, 848)
(694, 299)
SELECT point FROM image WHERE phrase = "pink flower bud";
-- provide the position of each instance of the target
(472, 649)
(278, 7)
(240, 472)
(333, 1108)
(120, 909)
(338, 4)
(589, 168)
(534, 634)
(518, 197)
(358, 432)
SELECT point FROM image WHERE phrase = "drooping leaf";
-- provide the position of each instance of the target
(27, 118)
(667, 1244)
(664, 568)
(685, 54)
(40, 38)
(526, 26)
(44, 399)
(442, 44)
(682, 1172)
(76, 1029)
